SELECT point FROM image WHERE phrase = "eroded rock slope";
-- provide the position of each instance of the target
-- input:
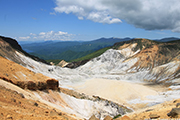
(139, 61)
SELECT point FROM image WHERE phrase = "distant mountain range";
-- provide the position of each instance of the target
(167, 39)
(71, 50)
(68, 50)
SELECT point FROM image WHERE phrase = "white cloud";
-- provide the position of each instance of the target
(24, 38)
(146, 14)
(88, 9)
(81, 18)
(51, 35)
(42, 33)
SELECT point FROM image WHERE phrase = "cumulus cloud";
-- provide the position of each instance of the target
(89, 9)
(146, 14)
(51, 35)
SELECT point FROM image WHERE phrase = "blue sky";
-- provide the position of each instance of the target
(33, 20)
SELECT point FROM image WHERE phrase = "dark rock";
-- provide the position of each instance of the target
(21, 95)
(13, 100)
(31, 85)
(41, 85)
(52, 84)
(46, 111)
(178, 104)
(35, 104)
(148, 110)
(49, 84)
(60, 113)
(50, 70)
(174, 112)
(20, 84)
(106, 103)
(76, 64)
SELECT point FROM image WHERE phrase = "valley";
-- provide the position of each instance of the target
(133, 79)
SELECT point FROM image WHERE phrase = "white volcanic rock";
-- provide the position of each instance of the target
(80, 107)
(112, 65)
(64, 75)
(112, 61)
(166, 73)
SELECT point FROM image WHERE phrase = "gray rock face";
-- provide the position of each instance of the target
(174, 113)
(178, 104)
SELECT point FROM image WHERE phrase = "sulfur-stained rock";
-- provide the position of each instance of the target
(93, 117)
(123, 118)
(108, 118)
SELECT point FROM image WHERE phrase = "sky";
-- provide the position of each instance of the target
(75, 20)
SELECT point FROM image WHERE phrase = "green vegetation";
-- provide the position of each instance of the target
(92, 55)
(54, 61)
(68, 50)
(117, 116)
(86, 57)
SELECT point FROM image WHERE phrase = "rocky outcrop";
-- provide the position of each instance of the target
(24, 78)
(76, 64)
(174, 113)
(33, 85)
(8, 46)
(62, 63)
(151, 53)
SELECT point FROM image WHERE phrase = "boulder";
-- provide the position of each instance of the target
(154, 116)
(52, 84)
(62, 63)
(178, 104)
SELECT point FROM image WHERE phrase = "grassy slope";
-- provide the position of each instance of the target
(92, 55)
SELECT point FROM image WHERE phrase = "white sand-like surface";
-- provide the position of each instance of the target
(117, 91)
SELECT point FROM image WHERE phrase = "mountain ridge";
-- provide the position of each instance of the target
(9, 46)
(131, 76)
(59, 50)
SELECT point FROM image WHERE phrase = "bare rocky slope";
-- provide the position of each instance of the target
(46, 90)
(8, 46)
(137, 79)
